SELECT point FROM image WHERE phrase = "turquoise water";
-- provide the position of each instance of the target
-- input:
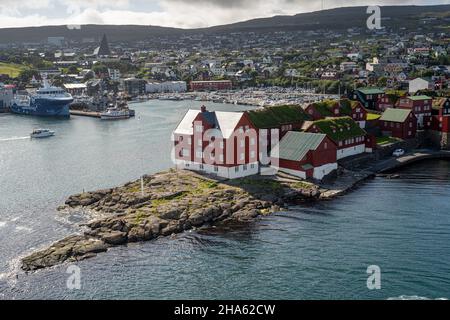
(311, 252)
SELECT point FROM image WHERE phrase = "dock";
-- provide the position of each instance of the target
(80, 113)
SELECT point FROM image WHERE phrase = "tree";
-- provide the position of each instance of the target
(72, 69)
(27, 74)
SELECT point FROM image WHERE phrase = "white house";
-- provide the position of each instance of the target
(420, 84)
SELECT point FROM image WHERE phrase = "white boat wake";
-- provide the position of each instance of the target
(14, 139)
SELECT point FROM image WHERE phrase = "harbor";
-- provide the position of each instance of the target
(392, 219)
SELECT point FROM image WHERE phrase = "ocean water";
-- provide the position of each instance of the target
(317, 251)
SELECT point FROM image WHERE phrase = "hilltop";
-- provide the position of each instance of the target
(334, 19)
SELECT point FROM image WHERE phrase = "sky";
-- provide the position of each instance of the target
(168, 13)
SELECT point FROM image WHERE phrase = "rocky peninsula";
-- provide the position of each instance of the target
(169, 203)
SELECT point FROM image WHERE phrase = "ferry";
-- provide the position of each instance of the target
(115, 114)
(48, 101)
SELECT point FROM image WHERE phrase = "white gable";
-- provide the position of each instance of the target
(185, 126)
(228, 121)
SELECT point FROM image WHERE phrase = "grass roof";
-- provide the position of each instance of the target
(324, 107)
(272, 117)
(339, 129)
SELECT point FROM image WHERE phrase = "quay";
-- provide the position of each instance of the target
(351, 178)
(91, 114)
(409, 158)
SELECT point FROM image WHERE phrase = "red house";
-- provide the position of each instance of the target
(440, 118)
(399, 123)
(281, 118)
(384, 102)
(338, 108)
(211, 85)
(220, 143)
(348, 136)
(420, 105)
(306, 155)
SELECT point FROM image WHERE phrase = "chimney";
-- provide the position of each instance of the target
(203, 109)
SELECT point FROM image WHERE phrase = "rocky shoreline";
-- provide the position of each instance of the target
(174, 201)
(171, 202)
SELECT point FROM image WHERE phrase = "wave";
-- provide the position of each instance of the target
(405, 297)
(13, 139)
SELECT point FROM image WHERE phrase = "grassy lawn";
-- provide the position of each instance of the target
(373, 116)
(11, 69)
(387, 140)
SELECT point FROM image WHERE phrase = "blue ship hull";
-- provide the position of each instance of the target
(44, 108)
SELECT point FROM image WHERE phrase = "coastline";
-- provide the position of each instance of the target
(176, 201)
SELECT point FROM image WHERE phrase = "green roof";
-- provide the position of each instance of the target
(295, 145)
(348, 105)
(367, 91)
(395, 115)
(417, 98)
(271, 117)
(339, 129)
(324, 107)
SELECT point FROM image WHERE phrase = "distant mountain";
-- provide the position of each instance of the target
(333, 19)
(340, 18)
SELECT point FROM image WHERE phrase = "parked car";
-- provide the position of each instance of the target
(398, 153)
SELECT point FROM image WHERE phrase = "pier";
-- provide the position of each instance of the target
(91, 114)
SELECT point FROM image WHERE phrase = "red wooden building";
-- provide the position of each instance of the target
(306, 155)
(440, 118)
(211, 85)
(348, 136)
(338, 108)
(399, 123)
(420, 105)
(220, 143)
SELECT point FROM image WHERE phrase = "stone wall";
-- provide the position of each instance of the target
(409, 144)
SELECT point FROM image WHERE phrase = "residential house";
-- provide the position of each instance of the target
(338, 108)
(224, 144)
(369, 97)
(439, 121)
(420, 84)
(420, 105)
(348, 136)
(306, 155)
(384, 102)
(399, 123)
(281, 118)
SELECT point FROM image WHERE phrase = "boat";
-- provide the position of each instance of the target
(46, 101)
(115, 114)
(42, 133)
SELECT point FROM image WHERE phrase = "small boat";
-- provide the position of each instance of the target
(115, 114)
(42, 133)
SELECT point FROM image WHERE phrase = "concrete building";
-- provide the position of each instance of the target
(167, 86)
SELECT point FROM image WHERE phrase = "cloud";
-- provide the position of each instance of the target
(170, 13)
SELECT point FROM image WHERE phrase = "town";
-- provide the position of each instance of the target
(330, 95)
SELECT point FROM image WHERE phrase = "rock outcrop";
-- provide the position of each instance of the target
(169, 203)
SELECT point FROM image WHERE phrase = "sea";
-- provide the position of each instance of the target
(388, 239)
